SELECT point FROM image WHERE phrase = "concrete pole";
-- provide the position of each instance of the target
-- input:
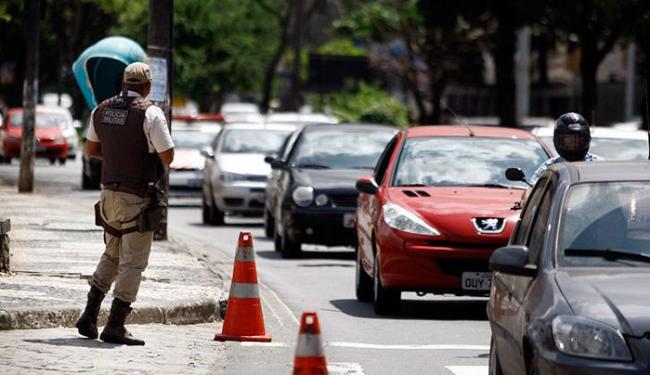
(159, 46)
(30, 93)
(630, 79)
(522, 75)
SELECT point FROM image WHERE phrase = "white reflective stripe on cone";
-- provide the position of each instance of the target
(245, 254)
(309, 345)
(244, 290)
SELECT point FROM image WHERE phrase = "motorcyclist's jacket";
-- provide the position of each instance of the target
(118, 122)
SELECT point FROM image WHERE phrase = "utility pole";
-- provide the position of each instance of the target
(294, 88)
(522, 75)
(159, 49)
(630, 81)
(30, 93)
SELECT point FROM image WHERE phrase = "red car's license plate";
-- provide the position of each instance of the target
(476, 280)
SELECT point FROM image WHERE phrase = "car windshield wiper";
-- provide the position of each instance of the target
(313, 166)
(609, 254)
(412, 185)
(491, 185)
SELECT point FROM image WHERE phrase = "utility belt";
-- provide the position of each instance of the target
(149, 219)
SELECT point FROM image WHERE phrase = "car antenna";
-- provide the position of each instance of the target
(471, 132)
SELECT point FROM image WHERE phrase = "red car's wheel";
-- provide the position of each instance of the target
(363, 281)
(386, 301)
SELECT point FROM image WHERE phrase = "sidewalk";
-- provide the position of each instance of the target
(55, 248)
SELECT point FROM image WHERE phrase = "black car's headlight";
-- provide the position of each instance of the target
(583, 337)
(303, 195)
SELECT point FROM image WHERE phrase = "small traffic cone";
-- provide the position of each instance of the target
(310, 355)
(244, 320)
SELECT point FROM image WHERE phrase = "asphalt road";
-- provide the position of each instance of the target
(430, 335)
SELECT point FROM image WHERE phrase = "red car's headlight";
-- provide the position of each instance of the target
(399, 218)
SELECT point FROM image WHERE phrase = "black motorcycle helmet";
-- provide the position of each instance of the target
(572, 136)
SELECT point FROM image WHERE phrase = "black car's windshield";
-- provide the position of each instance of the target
(192, 139)
(253, 141)
(340, 149)
(466, 161)
(614, 148)
(606, 224)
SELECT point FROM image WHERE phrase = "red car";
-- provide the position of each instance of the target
(436, 208)
(50, 141)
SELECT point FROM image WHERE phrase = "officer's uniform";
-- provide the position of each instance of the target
(131, 132)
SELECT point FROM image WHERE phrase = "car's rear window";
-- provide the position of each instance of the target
(192, 139)
(605, 215)
(43, 120)
(465, 161)
(253, 141)
(341, 149)
(614, 148)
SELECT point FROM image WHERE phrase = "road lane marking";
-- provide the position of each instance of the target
(407, 347)
(265, 344)
(468, 370)
(345, 368)
(284, 305)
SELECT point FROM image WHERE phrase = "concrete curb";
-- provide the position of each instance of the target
(183, 312)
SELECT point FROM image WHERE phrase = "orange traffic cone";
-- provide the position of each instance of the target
(244, 320)
(310, 355)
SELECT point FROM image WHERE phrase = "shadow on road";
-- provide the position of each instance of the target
(414, 309)
(228, 225)
(342, 255)
(74, 341)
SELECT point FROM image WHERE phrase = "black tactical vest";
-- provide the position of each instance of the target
(119, 122)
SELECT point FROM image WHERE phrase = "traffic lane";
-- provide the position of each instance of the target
(446, 331)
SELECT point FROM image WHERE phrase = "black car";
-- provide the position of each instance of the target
(571, 291)
(311, 196)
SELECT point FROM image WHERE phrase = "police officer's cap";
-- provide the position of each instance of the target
(137, 73)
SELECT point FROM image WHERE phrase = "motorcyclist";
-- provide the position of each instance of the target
(571, 139)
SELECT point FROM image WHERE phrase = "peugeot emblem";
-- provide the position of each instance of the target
(489, 225)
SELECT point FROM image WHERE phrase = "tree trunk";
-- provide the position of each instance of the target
(269, 74)
(588, 69)
(505, 66)
(30, 94)
(294, 99)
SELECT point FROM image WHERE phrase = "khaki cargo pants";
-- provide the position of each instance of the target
(125, 258)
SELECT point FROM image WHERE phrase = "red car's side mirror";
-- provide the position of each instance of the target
(367, 185)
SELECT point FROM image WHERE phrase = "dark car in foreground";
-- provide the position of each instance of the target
(571, 290)
(313, 199)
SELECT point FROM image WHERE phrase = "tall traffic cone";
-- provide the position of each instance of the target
(310, 355)
(244, 320)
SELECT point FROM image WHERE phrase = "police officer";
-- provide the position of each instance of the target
(131, 137)
(571, 139)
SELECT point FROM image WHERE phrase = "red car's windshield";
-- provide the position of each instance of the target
(466, 161)
(43, 120)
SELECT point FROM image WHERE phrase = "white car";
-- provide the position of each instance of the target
(611, 144)
(186, 171)
(235, 172)
(241, 112)
(304, 118)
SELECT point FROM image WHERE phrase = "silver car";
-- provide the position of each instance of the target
(235, 174)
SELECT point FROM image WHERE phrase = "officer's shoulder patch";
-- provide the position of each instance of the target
(114, 116)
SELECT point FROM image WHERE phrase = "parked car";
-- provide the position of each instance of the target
(235, 172)
(304, 118)
(191, 134)
(50, 140)
(609, 143)
(67, 127)
(241, 112)
(570, 291)
(436, 207)
(312, 199)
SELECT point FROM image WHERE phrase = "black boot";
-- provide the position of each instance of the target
(87, 323)
(114, 331)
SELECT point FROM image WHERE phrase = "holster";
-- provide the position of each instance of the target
(150, 219)
(100, 222)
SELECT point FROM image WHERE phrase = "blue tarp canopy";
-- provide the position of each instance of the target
(98, 70)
